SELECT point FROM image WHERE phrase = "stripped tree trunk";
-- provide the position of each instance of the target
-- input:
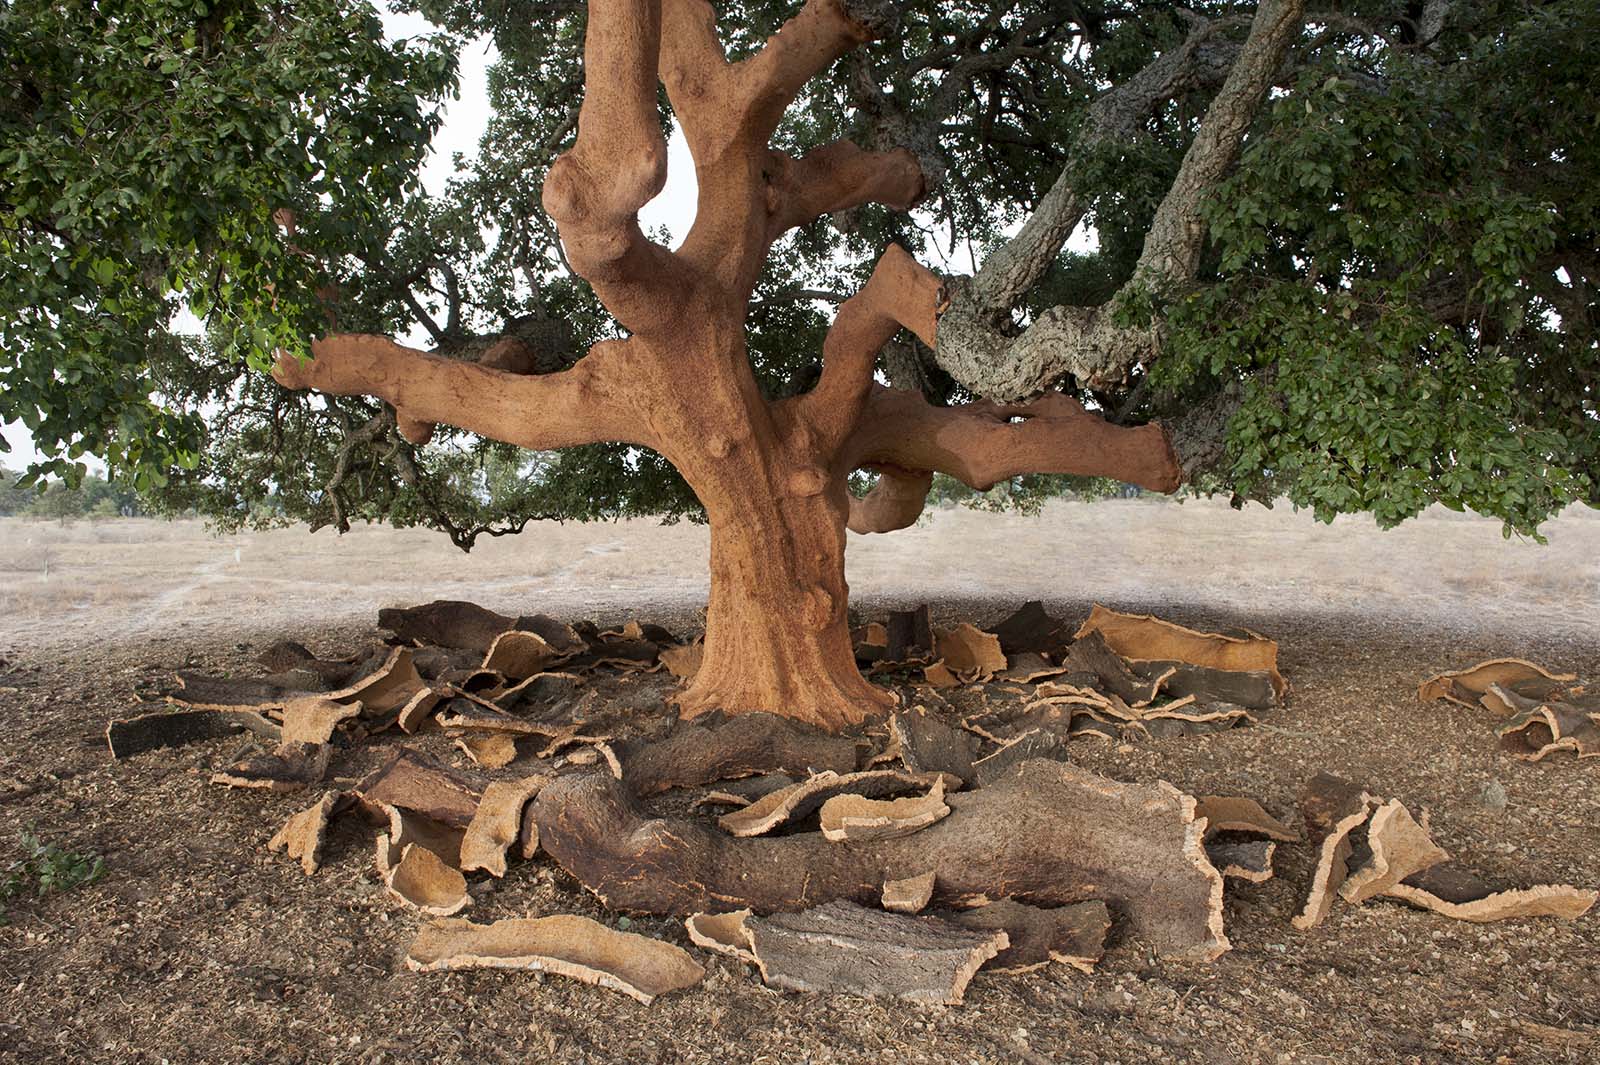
(772, 474)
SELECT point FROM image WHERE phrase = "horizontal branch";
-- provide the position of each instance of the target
(586, 404)
(837, 177)
(982, 444)
(900, 292)
(895, 502)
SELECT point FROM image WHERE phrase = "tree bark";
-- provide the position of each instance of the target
(777, 632)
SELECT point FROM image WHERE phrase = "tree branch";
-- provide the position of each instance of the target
(981, 443)
(895, 502)
(900, 292)
(802, 48)
(584, 405)
(617, 164)
(837, 177)
(1084, 341)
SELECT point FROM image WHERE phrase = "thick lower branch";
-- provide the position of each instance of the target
(895, 502)
(983, 443)
(584, 405)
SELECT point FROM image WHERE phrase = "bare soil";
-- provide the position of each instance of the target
(200, 946)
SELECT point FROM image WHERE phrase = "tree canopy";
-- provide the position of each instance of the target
(1387, 299)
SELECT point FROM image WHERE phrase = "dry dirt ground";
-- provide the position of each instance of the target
(200, 946)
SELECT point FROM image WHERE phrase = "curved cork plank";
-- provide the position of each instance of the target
(491, 750)
(1074, 935)
(519, 655)
(969, 652)
(722, 933)
(446, 623)
(1148, 638)
(422, 880)
(1538, 733)
(1235, 813)
(844, 948)
(289, 767)
(497, 823)
(303, 835)
(1247, 860)
(417, 782)
(1454, 892)
(1399, 846)
(928, 745)
(1050, 832)
(1467, 686)
(683, 662)
(127, 737)
(1333, 808)
(797, 800)
(853, 818)
(315, 718)
(566, 945)
(1031, 629)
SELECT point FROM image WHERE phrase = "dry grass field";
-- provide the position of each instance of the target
(197, 945)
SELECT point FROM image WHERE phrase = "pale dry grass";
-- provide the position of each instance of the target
(132, 579)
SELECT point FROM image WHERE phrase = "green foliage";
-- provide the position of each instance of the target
(44, 869)
(1386, 281)
(92, 497)
(1401, 281)
(144, 150)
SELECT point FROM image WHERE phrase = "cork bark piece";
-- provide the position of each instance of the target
(1249, 859)
(1251, 689)
(1090, 653)
(1333, 808)
(288, 767)
(1234, 813)
(406, 828)
(423, 881)
(1146, 638)
(386, 690)
(1454, 892)
(798, 800)
(709, 749)
(519, 655)
(1466, 687)
(303, 835)
(853, 818)
(491, 750)
(1027, 667)
(563, 944)
(1035, 744)
(910, 638)
(1049, 832)
(415, 781)
(840, 947)
(1398, 847)
(928, 745)
(414, 714)
(969, 652)
(939, 675)
(1534, 735)
(315, 718)
(1032, 629)
(127, 737)
(1074, 935)
(722, 933)
(908, 895)
(446, 623)
(683, 661)
(497, 824)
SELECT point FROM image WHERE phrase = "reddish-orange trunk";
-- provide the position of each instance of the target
(777, 629)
